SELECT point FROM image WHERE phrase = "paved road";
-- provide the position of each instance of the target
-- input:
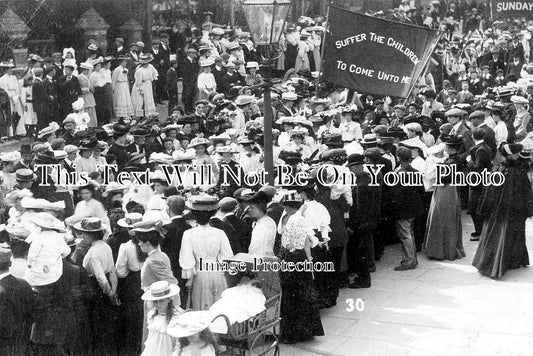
(440, 308)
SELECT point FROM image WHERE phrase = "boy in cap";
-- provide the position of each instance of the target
(68, 90)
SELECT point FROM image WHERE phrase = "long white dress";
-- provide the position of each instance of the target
(207, 245)
(29, 117)
(121, 92)
(142, 94)
(158, 343)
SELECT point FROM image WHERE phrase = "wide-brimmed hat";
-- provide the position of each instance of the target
(145, 58)
(113, 187)
(160, 290)
(198, 141)
(222, 138)
(41, 204)
(320, 101)
(290, 95)
(217, 31)
(90, 225)
(226, 149)
(51, 128)
(139, 132)
(13, 156)
(48, 221)
(369, 139)
(233, 45)
(244, 100)
(46, 157)
(415, 142)
(516, 99)
(7, 64)
(160, 157)
(92, 47)
(245, 141)
(15, 195)
(129, 220)
(190, 323)
(202, 202)
(252, 64)
(207, 62)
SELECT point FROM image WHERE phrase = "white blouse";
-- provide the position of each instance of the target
(127, 259)
(263, 236)
(295, 232)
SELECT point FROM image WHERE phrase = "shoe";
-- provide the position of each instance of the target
(475, 234)
(474, 239)
(357, 283)
(404, 267)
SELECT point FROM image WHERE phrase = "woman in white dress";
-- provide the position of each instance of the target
(206, 80)
(142, 95)
(202, 248)
(29, 118)
(121, 89)
(302, 59)
(87, 93)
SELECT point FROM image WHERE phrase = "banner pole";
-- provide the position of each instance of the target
(322, 50)
(413, 83)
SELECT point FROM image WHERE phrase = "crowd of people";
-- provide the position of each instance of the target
(95, 264)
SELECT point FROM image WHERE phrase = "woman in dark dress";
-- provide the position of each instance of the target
(503, 239)
(300, 316)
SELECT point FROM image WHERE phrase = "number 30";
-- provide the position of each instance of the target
(357, 304)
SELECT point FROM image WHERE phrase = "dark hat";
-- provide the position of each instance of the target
(333, 140)
(259, 197)
(396, 132)
(478, 114)
(140, 132)
(372, 153)
(88, 144)
(355, 158)
(25, 148)
(385, 141)
(429, 93)
(290, 157)
(234, 92)
(335, 154)
(189, 119)
(46, 157)
(120, 129)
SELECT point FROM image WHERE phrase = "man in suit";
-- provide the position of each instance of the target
(455, 117)
(231, 233)
(480, 159)
(230, 79)
(57, 58)
(227, 207)
(68, 91)
(164, 62)
(118, 48)
(157, 87)
(477, 119)
(218, 71)
(38, 97)
(189, 75)
(50, 106)
(139, 144)
(406, 204)
(365, 214)
(171, 245)
(69, 126)
(171, 85)
(17, 305)
(274, 209)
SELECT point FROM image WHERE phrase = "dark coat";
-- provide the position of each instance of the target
(490, 139)
(481, 159)
(228, 81)
(275, 210)
(189, 73)
(230, 233)
(242, 229)
(336, 208)
(17, 312)
(171, 245)
(406, 201)
(68, 92)
(38, 96)
(468, 142)
(171, 83)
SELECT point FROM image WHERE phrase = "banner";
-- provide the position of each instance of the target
(375, 56)
(509, 9)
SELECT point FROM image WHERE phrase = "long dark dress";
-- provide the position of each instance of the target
(502, 244)
(444, 232)
(300, 315)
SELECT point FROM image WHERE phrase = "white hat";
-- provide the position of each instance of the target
(160, 157)
(252, 65)
(519, 100)
(13, 156)
(69, 50)
(207, 62)
(113, 187)
(41, 204)
(290, 95)
(51, 128)
(160, 290)
(130, 219)
(244, 100)
(190, 323)
(71, 149)
(415, 142)
(158, 175)
(78, 104)
(86, 65)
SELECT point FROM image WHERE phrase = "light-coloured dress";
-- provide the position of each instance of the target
(88, 99)
(142, 95)
(207, 246)
(121, 92)
(158, 343)
(29, 117)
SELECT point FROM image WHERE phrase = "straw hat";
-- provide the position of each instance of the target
(129, 220)
(202, 202)
(160, 290)
(198, 141)
(113, 187)
(14, 156)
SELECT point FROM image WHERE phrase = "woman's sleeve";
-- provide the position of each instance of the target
(200, 83)
(187, 260)
(225, 247)
(138, 78)
(122, 262)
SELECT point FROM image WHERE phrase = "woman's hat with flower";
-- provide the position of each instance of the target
(113, 187)
(198, 141)
(290, 196)
(13, 156)
(92, 224)
(160, 290)
(129, 220)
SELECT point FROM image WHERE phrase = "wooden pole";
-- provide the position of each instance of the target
(323, 43)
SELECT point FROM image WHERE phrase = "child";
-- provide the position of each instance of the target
(194, 336)
(158, 342)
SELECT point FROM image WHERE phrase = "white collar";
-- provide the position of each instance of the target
(456, 126)
(176, 217)
(3, 275)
